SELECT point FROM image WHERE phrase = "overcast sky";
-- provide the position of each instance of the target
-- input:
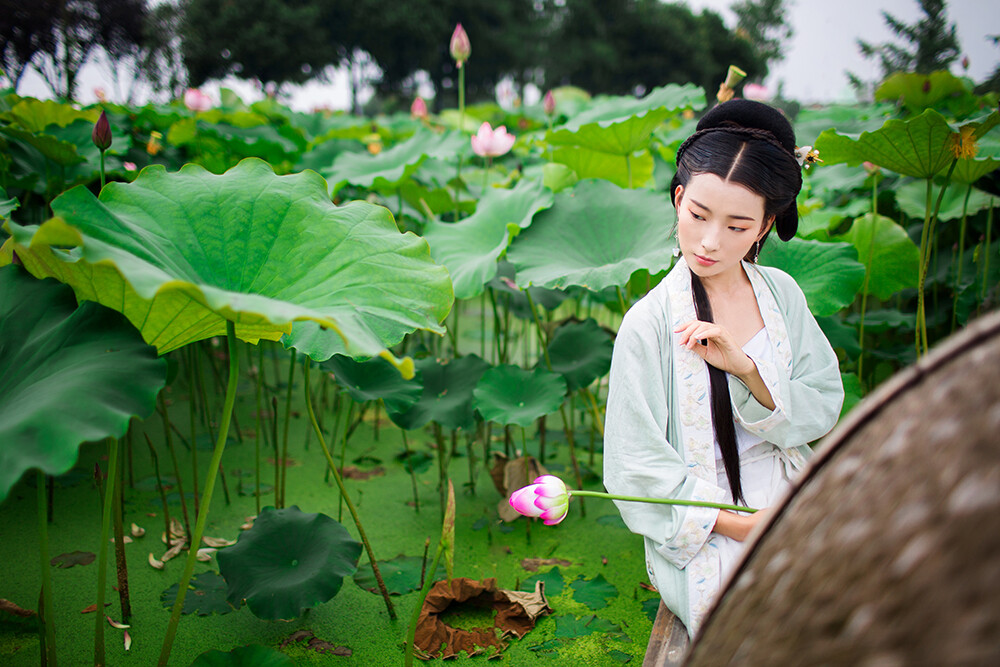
(821, 50)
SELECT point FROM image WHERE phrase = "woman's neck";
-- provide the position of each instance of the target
(725, 284)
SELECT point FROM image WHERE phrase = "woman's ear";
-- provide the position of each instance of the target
(678, 191)
(766, 227)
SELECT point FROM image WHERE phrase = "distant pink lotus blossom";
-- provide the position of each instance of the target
(488, 142)
(755, 91)
(549, 103)
(100, 94)
(130, 166)
(195, 100)
(419, 108)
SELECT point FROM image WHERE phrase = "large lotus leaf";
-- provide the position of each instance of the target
(594, 236)
(447, 394)
(595, 593)
(853, 118)
(893, 257)
(289, 561)
(206, 595)
(922, 147)
(372, 380)
(180, 253)
(512, 395)
(831, 181)
(35, 115)
(580, 352)
(912, 200)
(828, 273)
(391, 167)
(253, 655)
(469, 249)
(618, 169)
(63, 153)
(69, 375)
(919, 91)
(623, 125)
(816, 222)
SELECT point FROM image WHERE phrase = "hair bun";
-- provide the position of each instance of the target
(750, 114)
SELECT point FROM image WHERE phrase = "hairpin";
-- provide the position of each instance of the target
(806, 155)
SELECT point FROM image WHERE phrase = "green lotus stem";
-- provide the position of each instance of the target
(928, 229)
(486, 174)
(274, 445)
(343, 447)
(567, 428)
(347, 499)
(471, 455)
(594, 409)
(961, 252)
(482, 325)
(411, 631)
(102, 558)
(658, 501)
(159, 485)
(284, 435)
(527, 476)
(121, 566)
(256, 445)
(413, 473)
(102, 180)
(199, 387)
(986, 258)
(461, 128)
(180, 482)
(621, 300)
(868, 271)
(206, 497)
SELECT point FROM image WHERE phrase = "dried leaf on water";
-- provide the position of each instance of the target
(128, 640)
(67, 560)
(157, 564)
(138, 531)
(217, 542)
(205, 555)
(532, 564)
(115, 624)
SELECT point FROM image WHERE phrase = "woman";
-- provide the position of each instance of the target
(720, 376)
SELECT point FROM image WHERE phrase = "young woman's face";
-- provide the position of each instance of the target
(717, 223)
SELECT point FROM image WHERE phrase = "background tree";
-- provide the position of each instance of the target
(762, 23)
(26, 28)
(929, 45)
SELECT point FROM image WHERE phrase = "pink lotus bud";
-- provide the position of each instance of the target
(755, 91)
(461, 47)
(489, 143)
(549, 103)
(101, 136)
(419, 108)
(100, 94)
(546, 498)
(195, 100)
(965, 62)
(130, 166)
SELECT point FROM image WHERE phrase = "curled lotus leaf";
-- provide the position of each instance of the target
(87, 365)
(511, 395)
(446, 397)
(181, 253)
(287, 562)
(373, 380)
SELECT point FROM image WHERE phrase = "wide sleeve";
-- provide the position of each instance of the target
(808, 398)
(638, 459)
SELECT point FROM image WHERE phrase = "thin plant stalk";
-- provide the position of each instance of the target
(102, 558)
(659, 501)
(961, 253)
(347, 499)
(206, 503)
(567, 426)
(410, 468)
(197, 390)
(256, 445)
(163, 493)
(119, 529)
(868, 272)
(343, 448)
(288, 419)
(274, 445)
(986, 252)
(595, 411)
(180, 482)
(925, 235)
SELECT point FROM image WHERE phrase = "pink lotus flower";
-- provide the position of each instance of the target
(130, 166)
(419, 108)
(460, 46)
(546, 498)
(195, 100)
(755, 91)
(488, 142)
(549, 104)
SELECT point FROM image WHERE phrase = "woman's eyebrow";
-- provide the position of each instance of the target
(735, 217)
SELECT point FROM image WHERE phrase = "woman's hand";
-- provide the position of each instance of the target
(739, 526)
(721, 351)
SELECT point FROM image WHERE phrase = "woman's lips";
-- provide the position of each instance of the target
(705, 261)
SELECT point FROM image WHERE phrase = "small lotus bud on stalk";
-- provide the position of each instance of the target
(965, 62)
(419, 109)
(101, 135)
(461, 47)
(728, 87)
(549, 103)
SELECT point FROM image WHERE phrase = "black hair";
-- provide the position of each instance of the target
(752, 145)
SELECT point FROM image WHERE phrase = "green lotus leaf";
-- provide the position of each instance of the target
(618, 169)
(209, 596)
(7, 206)
(288, 562)
(70, 375)
(840, 335)
(815, 223)
(844, 118)
(180, 253)
(970, 171)
(372, 380)
(469, 249)
(391, 167)
(580, 352)
(919, 91)
(63, 153)
(35, 115)
(401, 575)
(922, 147)
(912, 200)
(828, 273)
(853, 392)
(894, 257)
(244, 656)
(830, 181)
(604, 234)
(515, 299)
(509, 394)
(570, 626)
(553, 580)
(557, 177)
(623, 125)
(595, 593)
(447, 394)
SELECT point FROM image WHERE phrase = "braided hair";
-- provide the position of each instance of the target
(753, 145)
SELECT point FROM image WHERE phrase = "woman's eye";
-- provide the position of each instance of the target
(738, 229)
(696, 216)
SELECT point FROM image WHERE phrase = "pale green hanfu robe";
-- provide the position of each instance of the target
(659, 440)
